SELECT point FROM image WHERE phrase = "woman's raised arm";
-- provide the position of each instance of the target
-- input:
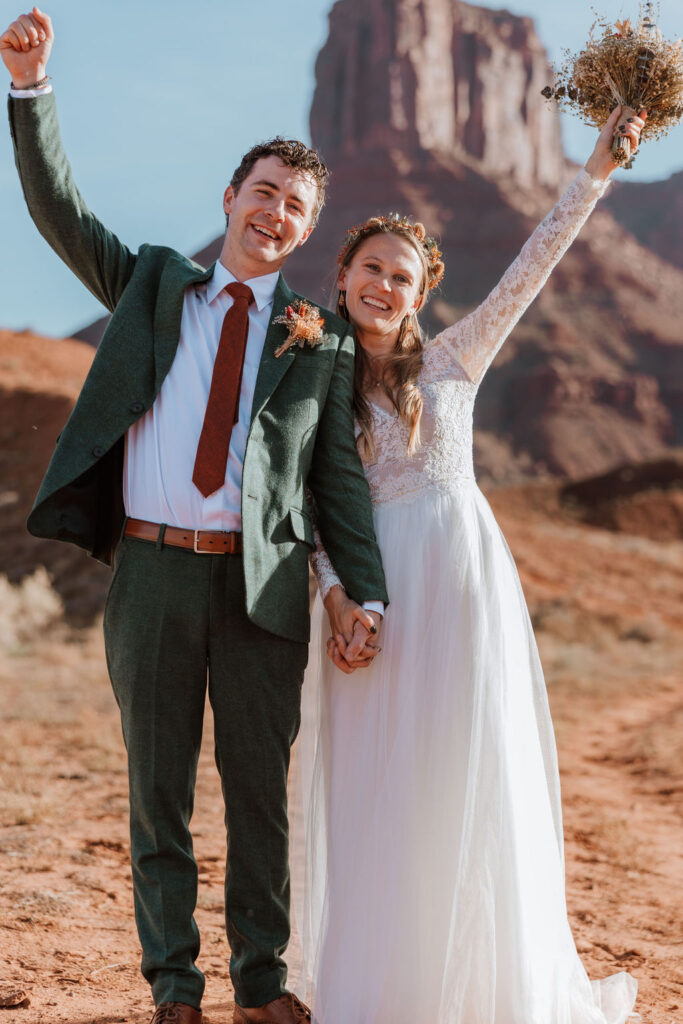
(473, 342)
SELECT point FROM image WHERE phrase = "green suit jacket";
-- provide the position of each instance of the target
(302, 421)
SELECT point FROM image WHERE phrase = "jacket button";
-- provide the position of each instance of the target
(98, 451)
(137, 407)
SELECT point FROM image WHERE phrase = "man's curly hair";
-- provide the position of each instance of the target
(292, 153)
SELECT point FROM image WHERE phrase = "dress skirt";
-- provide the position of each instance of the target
(427, 847)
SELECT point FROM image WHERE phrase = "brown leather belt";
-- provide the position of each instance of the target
(203, 542)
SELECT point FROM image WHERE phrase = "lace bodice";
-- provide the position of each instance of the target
(454, 364)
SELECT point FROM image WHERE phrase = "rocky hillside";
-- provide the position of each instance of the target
(41, 378)
(39, 381)
(653, 212)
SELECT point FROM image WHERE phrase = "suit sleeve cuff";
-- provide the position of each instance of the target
(29, 94)
(374, 606)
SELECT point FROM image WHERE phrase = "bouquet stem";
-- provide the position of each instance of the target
(621, 144)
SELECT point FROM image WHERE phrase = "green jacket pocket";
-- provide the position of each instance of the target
(301, 525)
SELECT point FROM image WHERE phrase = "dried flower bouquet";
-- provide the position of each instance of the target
(635, 68)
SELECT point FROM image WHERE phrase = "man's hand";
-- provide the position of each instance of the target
(352, 628)
(25, 47)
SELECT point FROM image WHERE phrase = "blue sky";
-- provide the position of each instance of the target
(158, 100)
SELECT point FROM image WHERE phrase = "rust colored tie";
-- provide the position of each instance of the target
(222, 409)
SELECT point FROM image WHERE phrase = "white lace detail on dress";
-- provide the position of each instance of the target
(453, 365)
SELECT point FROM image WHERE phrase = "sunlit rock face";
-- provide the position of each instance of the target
(437, 76)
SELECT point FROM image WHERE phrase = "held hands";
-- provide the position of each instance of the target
(600, 163)
(25, 47)
(338, 651)
(353, 643)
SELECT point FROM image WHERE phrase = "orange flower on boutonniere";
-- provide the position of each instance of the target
(304, 323)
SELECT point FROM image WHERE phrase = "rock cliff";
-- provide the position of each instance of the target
(441, 77)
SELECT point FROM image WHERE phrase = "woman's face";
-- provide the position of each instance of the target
(383, 284)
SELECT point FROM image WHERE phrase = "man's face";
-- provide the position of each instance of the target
(270, 215)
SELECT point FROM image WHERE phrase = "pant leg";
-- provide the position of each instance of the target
(156, 624)
(255, 682)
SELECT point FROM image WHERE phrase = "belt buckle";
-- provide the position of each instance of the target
(199, 551)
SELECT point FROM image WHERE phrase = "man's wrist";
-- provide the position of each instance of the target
(31, 79)
(23, 94)
(374, 606)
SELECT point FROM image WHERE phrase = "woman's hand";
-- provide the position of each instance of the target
(25, 47)
(601, 163)
(337, 649)
(344, 613)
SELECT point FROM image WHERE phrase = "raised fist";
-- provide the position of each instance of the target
(25, 47)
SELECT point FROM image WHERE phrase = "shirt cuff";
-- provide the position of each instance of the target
(374, 606)
(29, 94)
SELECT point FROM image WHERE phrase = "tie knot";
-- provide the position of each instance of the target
(240, 291)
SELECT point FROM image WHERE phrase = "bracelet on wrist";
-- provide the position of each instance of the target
(34, 85)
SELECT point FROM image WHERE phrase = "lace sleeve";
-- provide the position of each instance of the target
(322, 567)
(474, 341)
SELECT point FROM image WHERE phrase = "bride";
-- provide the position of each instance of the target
(431, 886)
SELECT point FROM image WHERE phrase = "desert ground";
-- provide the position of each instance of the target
(606, 606)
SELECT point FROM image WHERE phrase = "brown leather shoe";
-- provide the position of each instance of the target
(177, 1013)
(285, 1010)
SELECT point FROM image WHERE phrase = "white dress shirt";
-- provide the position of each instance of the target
(161, 446)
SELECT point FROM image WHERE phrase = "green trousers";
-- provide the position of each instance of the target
(175, 621)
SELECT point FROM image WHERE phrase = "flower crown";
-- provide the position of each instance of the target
(375, 225)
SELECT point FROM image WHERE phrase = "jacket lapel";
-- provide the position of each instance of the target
(272, 369)
(176, 276)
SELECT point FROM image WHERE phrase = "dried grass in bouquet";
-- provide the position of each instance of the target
(635, 68)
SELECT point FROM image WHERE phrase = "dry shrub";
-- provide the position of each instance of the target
(27, 610)
(21, 801)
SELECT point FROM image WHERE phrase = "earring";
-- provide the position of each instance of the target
(342, 300)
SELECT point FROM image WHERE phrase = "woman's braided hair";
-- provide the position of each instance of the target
(399, 377)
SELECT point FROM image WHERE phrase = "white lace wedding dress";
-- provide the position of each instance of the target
(427, 852)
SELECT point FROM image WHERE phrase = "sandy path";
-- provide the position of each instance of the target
(66, 927)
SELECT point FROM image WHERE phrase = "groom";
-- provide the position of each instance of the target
(184, 462)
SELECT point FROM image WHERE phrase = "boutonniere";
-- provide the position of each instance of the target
(304, 323)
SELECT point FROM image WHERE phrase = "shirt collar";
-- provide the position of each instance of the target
(263, 287)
